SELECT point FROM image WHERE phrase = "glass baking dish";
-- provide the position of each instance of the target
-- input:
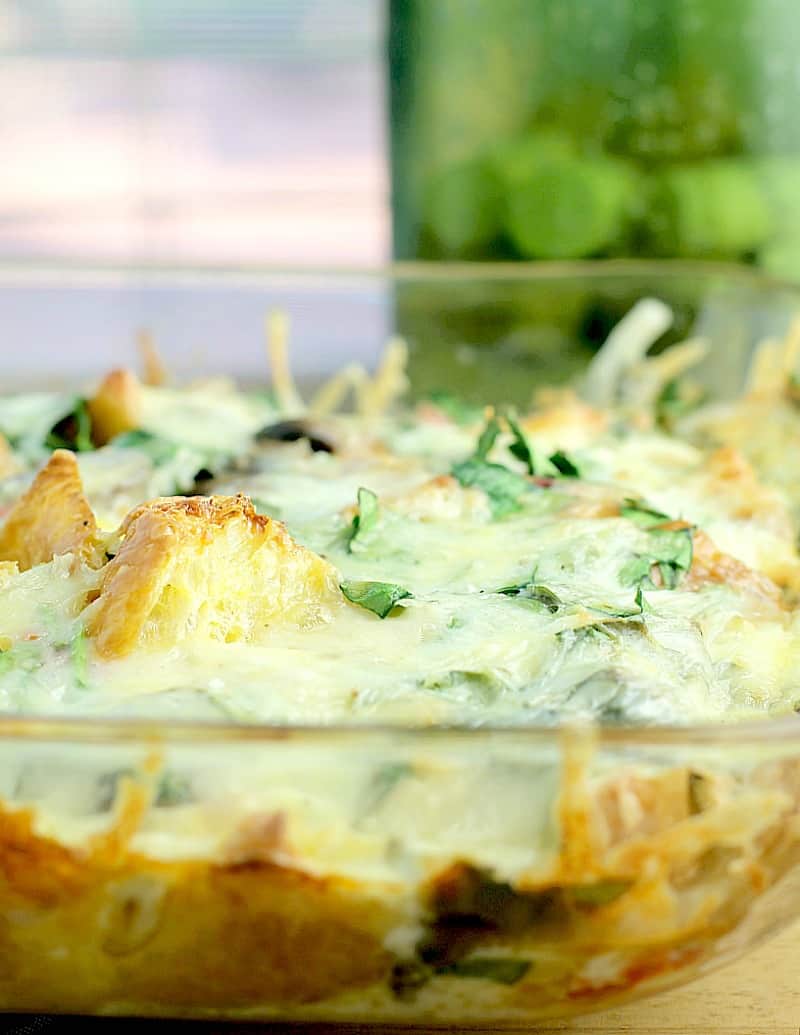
(470, 876)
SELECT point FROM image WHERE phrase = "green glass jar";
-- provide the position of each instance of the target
(563, 129)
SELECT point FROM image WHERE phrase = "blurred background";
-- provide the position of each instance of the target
(143, 136)
(194, 131)
(309, 132)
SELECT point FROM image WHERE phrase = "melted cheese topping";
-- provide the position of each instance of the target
(580, 638)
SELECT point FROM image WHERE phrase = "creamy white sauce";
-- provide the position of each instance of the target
(456, 650)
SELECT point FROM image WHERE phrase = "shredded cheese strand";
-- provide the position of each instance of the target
(628, 343)
(647, 379)
(154, 370)
(330, 396)
(390, 381)
(277, 331)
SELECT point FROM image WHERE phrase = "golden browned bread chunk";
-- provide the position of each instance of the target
(53, 517)
(209, 567)
(116, 406)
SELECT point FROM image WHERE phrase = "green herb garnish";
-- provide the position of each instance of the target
(565, 467)
(377, 597)
(173, 790)
(73, 431)
(79, 653)
(677, 398)
(532, 591)
(503, 487)
(640, 514)
(483, 685)
(364, 521)
(383, 783)
(669, 550)
(487, 439)
(504, 970)
(520, 446)
(623, 612)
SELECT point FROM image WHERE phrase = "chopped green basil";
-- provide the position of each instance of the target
(487, 438)
(503, 487)
(520, 446)
(532, 591)
(504, 970)
(677, 398)
(364, 521)
(641, 514)
(668, 550)
(383, 783)
(79, 652)
(377, 597)
(623, 612)
(172, 790)
(73, 431)
(564, 465)
(484, 686)
(409, 977)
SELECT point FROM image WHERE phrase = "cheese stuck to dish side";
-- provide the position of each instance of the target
(433, 564)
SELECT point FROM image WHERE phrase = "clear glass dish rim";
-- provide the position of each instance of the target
(96, 271)
(756, 732)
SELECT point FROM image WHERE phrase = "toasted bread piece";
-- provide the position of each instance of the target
(52, 518)
(208, 567)
(116, 406)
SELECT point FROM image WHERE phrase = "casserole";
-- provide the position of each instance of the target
(468, 867)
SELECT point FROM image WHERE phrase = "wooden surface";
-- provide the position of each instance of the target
(758, 995)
